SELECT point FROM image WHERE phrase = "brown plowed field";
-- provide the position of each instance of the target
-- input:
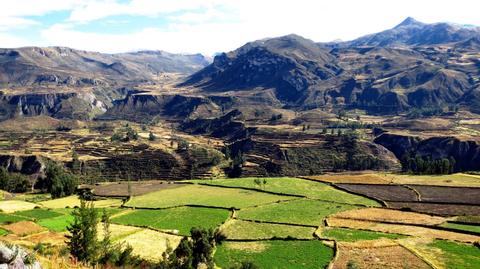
(395, 193)
(437, 209)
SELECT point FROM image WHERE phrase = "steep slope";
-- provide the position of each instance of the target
(290, 65)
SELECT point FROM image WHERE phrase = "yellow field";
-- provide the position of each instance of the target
(389, 215)
(458, 179)
(15, 205)
(72, 201)
(150, 244)
(146, 243)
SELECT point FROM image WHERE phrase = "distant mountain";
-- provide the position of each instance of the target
(289, 64)
(66, 66)
(413, 32)
(435, 66)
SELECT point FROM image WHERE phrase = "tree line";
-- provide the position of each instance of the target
(427, 166)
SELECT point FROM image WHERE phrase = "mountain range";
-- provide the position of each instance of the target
(413, 65)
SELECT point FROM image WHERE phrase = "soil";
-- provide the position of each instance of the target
(373, 257)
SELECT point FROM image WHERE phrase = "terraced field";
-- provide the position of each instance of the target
(180, 219)
(284, 223)
(275, 254)
(204, 196)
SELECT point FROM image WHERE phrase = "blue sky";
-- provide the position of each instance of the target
(208, 26)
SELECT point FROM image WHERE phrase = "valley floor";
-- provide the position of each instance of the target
(329, 221)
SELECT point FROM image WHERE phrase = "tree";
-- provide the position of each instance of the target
(151, 136)
(59, 183)
(76, 164)
(82, 241)
(13, 182)
(195, 251)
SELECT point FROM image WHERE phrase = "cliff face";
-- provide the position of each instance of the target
(28, 165)
(59, 105)
(138, 106)
(465, 153)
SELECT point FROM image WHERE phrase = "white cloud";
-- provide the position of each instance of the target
(210, 26)
(11, 41)
(95, 10)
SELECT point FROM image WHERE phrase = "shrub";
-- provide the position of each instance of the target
(58, 182)
(13, 182)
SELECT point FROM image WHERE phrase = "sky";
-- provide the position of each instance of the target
(209, 26)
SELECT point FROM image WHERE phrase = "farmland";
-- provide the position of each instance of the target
(279, 223)
(276, 254)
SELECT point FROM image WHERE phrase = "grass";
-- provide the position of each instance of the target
(287, 185)
(38, 214)
(458, 179)
(462, 227)
(458, 256)
(74, 201)
(275, 254)
(203, 195)
(238, 229)
(56, 224)
(180, 218)
(351, 235)
(3, 232)
(33, 197)
(469, 219)
(301, 211)
(9, 218)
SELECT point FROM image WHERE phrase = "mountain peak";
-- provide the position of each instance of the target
(409, 22)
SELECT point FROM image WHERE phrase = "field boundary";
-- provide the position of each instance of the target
(277, 223)
(420, 256)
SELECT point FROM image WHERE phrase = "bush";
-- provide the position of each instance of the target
(58, 182)
(13, 182)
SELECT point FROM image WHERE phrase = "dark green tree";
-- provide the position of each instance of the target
(82, 240)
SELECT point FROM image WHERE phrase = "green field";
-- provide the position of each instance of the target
(462, 227)
(10, 218)
(38, 214)
(287, 185)
(180, 218)
(203, 195)
(300, 211)
(457, 255)
(238, 229)
(275, 254)
(3, 232)
(57, 224)
(352, 235)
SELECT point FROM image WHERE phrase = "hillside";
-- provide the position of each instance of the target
(413, 65)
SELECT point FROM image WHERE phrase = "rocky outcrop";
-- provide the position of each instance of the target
(142, 106)
(28, 164)
(15, 257)
(227, 126)
(465, 153)
(70, 105)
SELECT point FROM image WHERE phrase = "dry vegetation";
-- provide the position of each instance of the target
(402, 229)
(376, 254)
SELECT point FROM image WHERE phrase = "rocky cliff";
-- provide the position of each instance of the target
(465, 153)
